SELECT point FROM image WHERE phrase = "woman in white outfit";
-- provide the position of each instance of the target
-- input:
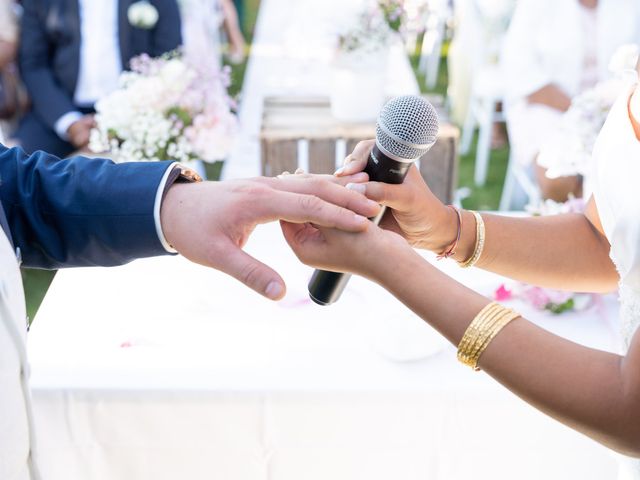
(202, 24)
(554, 50)
(594, 392)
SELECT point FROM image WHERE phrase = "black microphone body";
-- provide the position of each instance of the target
(325, 288)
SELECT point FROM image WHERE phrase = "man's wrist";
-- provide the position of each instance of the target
(63, 124)
(174, 174)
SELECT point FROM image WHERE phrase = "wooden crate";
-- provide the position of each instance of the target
(301, 132)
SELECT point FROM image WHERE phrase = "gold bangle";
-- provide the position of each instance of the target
(474, 330)
(479, 245)
(472, 333)
(481, 332)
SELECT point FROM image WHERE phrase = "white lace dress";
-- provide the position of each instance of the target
(617, 194)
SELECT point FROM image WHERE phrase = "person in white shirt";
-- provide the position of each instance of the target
(554, 50)
(72, 54)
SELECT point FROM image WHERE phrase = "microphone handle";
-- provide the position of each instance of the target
(325, 288)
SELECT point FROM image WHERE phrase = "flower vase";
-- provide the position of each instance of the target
(358, 82)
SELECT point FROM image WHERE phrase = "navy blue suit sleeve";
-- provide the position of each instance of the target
(50, 100)
(167, 34)
(79, 211)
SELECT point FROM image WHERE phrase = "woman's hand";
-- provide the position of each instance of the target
(368, 253)
(417, 214)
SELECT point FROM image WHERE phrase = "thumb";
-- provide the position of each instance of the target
(253, 273)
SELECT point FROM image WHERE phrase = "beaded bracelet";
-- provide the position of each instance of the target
(479, 246)
(451, 251)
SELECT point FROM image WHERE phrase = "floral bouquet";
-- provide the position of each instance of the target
(166, 109)
(569, 152)
(375, 27)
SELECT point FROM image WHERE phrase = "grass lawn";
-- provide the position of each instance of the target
(37, 281)
(487, 197)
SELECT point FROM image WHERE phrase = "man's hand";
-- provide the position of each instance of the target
(80, 131)
(210, 222)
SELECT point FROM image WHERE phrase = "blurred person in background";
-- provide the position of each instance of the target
(202, 21)
(12, 96)
(554, 50)
(72, 54)
(233, 30)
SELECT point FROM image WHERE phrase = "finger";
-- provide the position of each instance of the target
(353, 167)
(329, 192)
(343, 180)
(306, 241)
(253, 273)
(291, 232)
(304, 208)
(360, 177)
(393, 196)
(357, 161)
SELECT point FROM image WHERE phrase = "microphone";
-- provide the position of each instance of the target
(407, 128)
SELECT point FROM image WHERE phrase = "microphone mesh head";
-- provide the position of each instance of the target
(407, 127)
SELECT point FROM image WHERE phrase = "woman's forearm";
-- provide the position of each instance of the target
(551, 96)
(594, 392)
(563, 251)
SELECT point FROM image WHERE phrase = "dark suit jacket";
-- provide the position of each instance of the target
(49, 53)
(79, 211)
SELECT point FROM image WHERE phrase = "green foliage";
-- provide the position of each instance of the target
(559, 308)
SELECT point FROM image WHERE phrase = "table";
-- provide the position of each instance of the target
(290, 56)
(131, 381)
(301, 132)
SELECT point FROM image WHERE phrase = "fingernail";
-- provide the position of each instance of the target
(339, 171)
(372, 203)
(357, 187)
(274, 290)
(347, 160)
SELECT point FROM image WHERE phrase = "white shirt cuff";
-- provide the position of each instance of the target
(64, 122)
(156, 209)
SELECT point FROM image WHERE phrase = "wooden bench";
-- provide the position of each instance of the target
(301, 132)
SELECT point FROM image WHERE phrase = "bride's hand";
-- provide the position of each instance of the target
(368, 253)
(416, 213)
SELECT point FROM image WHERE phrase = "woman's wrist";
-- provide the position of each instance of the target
(444, 233)
(393, 255)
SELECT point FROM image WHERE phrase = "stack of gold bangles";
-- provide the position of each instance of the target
(483, 329)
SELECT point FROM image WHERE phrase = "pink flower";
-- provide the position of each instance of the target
(502, 294)
(537, 296)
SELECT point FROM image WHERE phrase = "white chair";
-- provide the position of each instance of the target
(519, 188)
(434, 35)
(486, 95)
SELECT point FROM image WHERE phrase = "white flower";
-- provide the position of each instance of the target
(143, 15)
(624, 59)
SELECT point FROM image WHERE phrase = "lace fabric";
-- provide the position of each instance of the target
(629, 312)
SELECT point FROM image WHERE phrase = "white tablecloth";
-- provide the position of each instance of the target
(166, 370)
(291, 55)
(163, 369)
